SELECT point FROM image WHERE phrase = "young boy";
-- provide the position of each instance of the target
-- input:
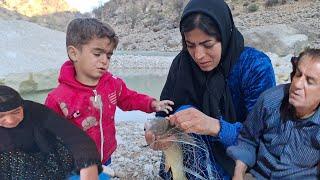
(88, 94)
(36, 143)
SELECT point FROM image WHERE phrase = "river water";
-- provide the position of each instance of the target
(150, 84)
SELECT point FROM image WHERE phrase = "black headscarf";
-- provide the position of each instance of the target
(187, 84)
(208, 91)
(10, 99)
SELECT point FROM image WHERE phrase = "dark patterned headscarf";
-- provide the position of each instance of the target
(9, 99)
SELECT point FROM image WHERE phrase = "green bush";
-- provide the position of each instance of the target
(253, 8)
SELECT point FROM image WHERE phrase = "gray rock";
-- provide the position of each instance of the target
(157, 28)
(135, 174)
(280, 39)
(148, 169)
(282, 67)
(172, 43)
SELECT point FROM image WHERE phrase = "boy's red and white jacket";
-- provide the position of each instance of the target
(93, 108)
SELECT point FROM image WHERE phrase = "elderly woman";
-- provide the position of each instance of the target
(219, 77)
(36, 143)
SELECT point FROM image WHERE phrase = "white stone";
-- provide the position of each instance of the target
(135, 174)
(148, 169)
(281, 66)
(278, 38)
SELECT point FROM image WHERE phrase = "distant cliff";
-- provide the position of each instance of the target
(36, 7)
(154, 24)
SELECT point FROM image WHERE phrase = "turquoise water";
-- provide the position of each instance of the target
(146, 53)
(147, 84)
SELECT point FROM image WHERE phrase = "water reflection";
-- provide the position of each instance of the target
(147, 84)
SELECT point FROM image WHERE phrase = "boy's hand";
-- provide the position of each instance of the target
(164, 105)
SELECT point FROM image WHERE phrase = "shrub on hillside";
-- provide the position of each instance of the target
(269, 3)
(252, 8)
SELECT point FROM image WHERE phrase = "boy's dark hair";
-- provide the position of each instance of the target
(81, 30)
(286, 109)
(201, 21)
(9, 99)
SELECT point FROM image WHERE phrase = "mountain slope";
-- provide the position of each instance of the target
(36, 7)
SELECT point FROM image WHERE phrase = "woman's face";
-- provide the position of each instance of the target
(204, 49)
(12, 118)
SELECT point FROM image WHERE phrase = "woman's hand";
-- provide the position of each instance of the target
(89, 173)
(164, 105)
(192, 120)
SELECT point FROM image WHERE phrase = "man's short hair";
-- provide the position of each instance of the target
(81, 30)
(311, 52)
(286, 109)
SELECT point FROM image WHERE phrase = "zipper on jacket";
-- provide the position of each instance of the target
(95, 95)
(98, 101)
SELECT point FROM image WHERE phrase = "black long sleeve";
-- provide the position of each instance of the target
(44, 144)
(81, 146)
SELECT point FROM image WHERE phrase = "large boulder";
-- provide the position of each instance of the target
(30, 55)
(280, 39)
(282, 67)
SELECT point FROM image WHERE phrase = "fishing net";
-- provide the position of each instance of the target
(186, 156)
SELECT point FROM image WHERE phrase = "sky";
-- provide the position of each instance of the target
(85, 5)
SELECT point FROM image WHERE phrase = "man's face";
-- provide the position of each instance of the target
(12, 118)
(92, 60)
(304, 92)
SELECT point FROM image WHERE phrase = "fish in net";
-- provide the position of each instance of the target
(186, 156)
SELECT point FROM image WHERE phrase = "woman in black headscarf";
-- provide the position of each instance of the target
(219, 77)
(36, 143)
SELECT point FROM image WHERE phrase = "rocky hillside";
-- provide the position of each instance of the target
(153, 24)
(48, 13)
(35, 7)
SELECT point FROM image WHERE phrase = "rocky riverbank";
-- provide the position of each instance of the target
(30, 57)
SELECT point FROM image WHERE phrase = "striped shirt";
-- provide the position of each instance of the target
(276, 148)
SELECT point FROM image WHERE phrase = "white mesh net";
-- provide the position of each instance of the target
(185, 156)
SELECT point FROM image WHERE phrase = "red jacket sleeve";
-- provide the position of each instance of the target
(131, 100)
(53, 104)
